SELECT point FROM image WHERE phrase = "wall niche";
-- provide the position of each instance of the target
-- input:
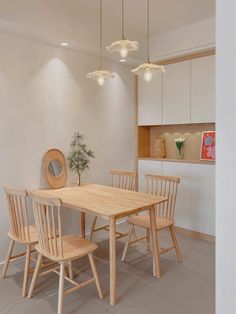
(192, 146)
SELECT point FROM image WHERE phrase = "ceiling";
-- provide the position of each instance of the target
(77, 20)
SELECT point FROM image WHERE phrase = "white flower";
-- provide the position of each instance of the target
(179, 140)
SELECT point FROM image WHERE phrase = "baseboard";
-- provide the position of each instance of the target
(195, 235)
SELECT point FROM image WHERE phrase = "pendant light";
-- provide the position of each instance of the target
(123, 46)
(100, 75)
(148, 69)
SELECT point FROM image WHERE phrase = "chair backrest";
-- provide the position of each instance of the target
(164, 186)
(47, 215)
(18, 213)
(124, 179)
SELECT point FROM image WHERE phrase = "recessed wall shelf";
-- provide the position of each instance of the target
(192, 146)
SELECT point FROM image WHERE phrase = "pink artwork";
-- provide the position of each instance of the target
(208, 146)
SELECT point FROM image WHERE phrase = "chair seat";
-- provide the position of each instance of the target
(73, 247)
(144, 222)
(32, 232)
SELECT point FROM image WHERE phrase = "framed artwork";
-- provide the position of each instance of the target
(208, 146)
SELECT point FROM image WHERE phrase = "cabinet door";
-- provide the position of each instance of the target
(203, 90)
(144, 167)
(202, 198)
(150, 101)
(182, 209)
(176, 93)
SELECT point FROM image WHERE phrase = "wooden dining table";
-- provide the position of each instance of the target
(111, 204)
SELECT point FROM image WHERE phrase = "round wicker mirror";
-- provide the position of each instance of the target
(55, 168)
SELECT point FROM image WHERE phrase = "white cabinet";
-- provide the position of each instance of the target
(202, 198)
(176, 93)
(144, 167)
(182, 209)
(150, 101)
(203, 90)
(185, 93)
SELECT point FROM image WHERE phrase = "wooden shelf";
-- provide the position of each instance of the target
(190, 161)
(191, 149)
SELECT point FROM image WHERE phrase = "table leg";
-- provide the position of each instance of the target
(155, 247)
(82, 224)
(112, 249)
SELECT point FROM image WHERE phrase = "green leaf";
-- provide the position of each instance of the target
(80, 155)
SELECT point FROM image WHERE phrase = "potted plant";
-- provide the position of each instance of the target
(80, 155)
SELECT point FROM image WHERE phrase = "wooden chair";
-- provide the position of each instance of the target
(122, 179)
(61, 249)
(164, 186)
(20, 231)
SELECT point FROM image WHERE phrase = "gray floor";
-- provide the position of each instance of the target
(186, 288)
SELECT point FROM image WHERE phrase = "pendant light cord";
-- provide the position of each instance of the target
(148, 30)
(122, 20)
(100, 34)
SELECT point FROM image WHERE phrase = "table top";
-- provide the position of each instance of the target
(103, 201)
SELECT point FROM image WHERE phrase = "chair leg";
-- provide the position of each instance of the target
(7, 259)
(95, 274)
(92, 228)
(70, 270)
(35, 275)
(61, 289)
(131, 230)
(26, 271)
(153, 260)
(153, 267)
(148, 239)
(177, 250)
(135, 235)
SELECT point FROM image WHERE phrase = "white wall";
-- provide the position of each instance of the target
(226, 158)
(195, 37)
(44, 98)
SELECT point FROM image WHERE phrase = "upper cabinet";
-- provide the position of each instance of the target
(176, 93)
(150, 101)
(184, 94)
(203, 90)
